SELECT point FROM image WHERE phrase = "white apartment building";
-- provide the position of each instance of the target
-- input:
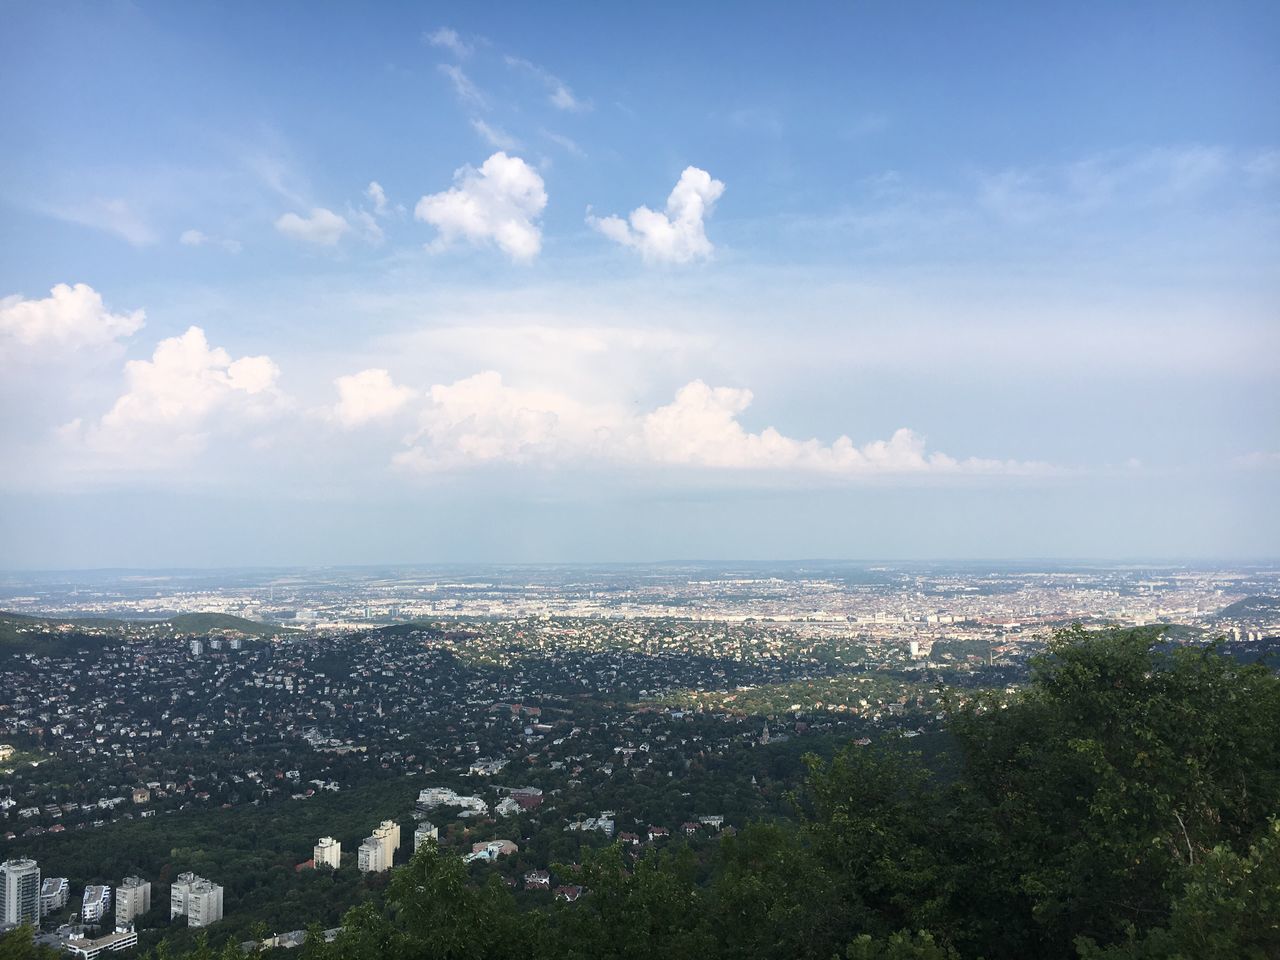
(426, 831)
(388, 832)
(133, 899)
(54, 894)
(196, 898)
(20, 892)
(327, 853)
(372, 856)
(95, 904)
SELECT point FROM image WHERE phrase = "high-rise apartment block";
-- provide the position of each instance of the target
(328, 853)
(372, 856)
(20, 892)
(196, 898)
(133, 899)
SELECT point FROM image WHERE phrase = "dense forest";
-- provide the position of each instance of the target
(1121, 807)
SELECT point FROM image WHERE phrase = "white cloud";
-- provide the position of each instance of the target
(174, 400)
(448, 38)
(377, 196)
(558, 93)
(497, 138)
(323, 227)
(498, 203)
(467, 91)
(480, 420)
(72, 316)
(701, 428)
(677, 236)
(369, 395)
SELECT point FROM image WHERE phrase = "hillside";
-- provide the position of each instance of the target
(1255, 606)
(22, 633)
(205, 622)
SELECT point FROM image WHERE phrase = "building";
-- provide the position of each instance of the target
(372, 856)
(491, 850)
(133, 899)
(95, 904)
(54, 894)
(90, 949)
(196, 898)
(327, 853)
(20, 892)
(197, 648)
(377, 853)
(426, 831)
(389, 833)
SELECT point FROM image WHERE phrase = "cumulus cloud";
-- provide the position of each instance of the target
(185, 380)
(369, 395)
(448, 39)
(500, 203)
(481, 419)
(679, 234)
(701, 428)
(323, 227)
(173, 401)
(71, 316)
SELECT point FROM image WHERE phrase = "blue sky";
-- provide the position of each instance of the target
(315, 283)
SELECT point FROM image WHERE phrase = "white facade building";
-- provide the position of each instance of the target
(95, 904)
(54, 894)
(133, 899)
(91, 949)
(372, 857)
(196, 898)
(327, 853)
(20, 892)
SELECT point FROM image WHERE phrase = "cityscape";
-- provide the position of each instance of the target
(681, 480)
(514, 716)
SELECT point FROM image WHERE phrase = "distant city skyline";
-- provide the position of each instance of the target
(288, 286)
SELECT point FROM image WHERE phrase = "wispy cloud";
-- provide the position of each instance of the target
(113, 215)
(494, 136)
(466, 91)
(447, 38)
(558, 93)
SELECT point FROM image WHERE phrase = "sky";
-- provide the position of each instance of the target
(319, 283)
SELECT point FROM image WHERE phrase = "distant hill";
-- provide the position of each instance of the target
(1256, 606)
(21, 633)
(205, 622)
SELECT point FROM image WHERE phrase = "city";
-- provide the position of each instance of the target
(514, 716)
